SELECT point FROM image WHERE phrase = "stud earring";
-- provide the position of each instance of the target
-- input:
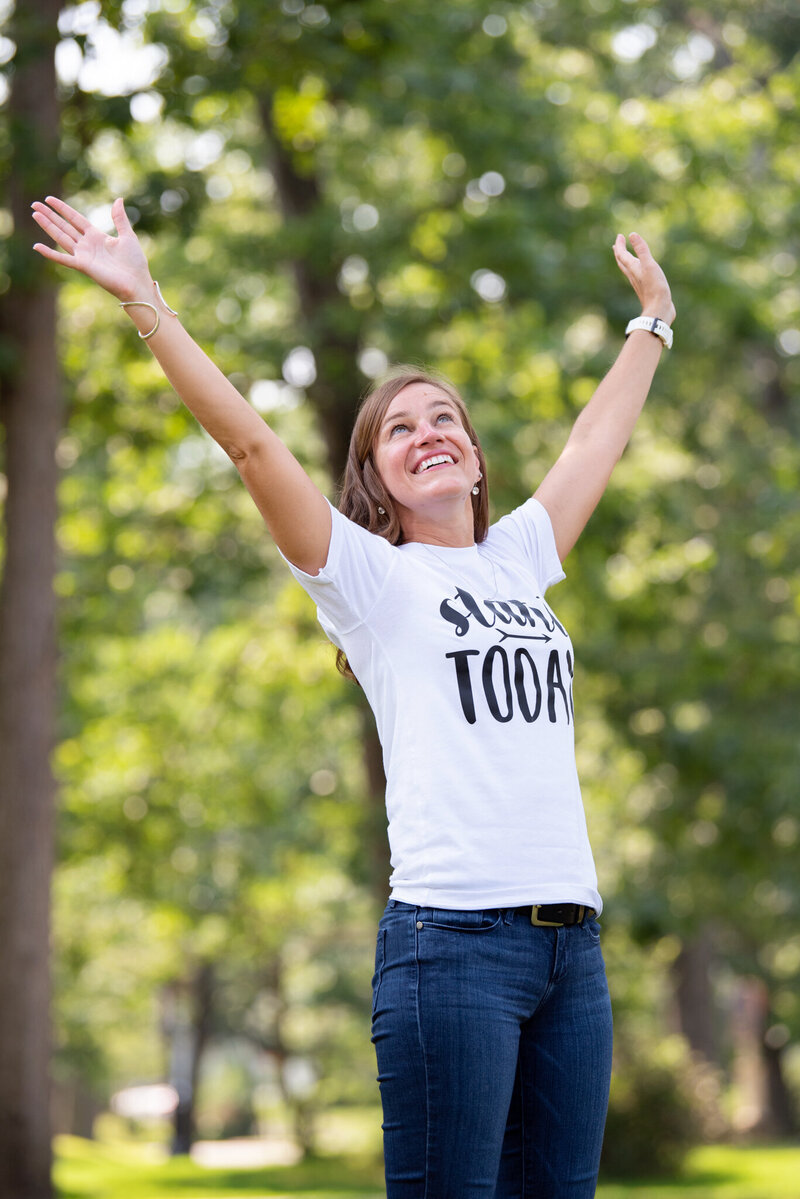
(381, 511)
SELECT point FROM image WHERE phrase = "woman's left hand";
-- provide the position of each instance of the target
(645, 277)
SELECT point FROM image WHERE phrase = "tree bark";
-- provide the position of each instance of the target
(31, 418)
(299, 1102)
(333, 396)
(376, 845)
(187, 1009)
(694, 996)
(334, 393)
(780, 1103)
(748, 1024)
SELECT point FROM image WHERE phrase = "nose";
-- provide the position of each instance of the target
(427, 432)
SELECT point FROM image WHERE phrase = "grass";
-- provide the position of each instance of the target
(723, 1172)
(88, 1170)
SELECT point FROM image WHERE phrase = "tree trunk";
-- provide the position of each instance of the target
(748, 1024)
(297, 1094)
(764, 1103)
(333, 396)
(782, 1115)
(375, 840)
(186, 1024)
(333, 340)
(694, 997)
(31, 417)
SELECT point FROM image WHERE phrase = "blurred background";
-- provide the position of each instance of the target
(325, 189)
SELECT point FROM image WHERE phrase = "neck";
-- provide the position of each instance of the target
(454, 530)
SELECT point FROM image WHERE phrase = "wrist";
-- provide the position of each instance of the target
(146, 314)
(140, 287)
(663, 308)
(647, 323)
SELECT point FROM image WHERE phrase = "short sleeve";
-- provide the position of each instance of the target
(528, 530)
(356, 572)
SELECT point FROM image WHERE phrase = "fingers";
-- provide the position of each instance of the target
(644, 275)
(120, 217)
(640, 246)
(64, 225)
(70, 214)
(55, 226)
(642, 251)
(625, 260)
(639, 266)
(54, 255)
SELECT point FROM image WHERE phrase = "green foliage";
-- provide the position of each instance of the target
(656, 1112)
(339, 177)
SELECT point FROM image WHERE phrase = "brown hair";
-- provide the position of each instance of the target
(363, 492)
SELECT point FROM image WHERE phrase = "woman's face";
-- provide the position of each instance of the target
(423, 454)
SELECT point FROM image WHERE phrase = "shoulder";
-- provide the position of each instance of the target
(530, 517)
(347, 534)
(527, 532)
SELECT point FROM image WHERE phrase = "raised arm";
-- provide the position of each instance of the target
(572, 488)
(296, 512)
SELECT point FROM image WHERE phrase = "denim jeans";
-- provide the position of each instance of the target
(493, 1039)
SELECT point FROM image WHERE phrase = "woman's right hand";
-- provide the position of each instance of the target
(118, 263)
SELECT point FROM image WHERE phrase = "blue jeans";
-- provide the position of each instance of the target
(493, 1039)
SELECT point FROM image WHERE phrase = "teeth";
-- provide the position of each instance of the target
(435, 461)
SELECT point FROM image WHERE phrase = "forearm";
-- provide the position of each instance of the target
(573, 487)
(295, 511)
(201, 385)
(608, 420)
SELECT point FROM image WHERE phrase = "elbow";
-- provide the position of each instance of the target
(598, 445)
(242, 452)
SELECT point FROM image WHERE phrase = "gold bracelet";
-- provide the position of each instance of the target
(153, 309)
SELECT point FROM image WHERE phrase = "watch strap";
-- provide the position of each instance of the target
(651, 324)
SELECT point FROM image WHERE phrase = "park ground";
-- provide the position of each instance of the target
(92, 1170)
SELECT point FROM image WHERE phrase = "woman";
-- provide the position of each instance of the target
(491, 1017)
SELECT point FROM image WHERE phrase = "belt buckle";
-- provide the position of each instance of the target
(543, 923)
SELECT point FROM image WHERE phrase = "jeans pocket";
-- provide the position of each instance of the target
(380, 959)
(447, 920)
(592, 928)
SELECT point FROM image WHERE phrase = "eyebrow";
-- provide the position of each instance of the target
(444, 402)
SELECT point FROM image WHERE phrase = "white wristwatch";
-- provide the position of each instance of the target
(651, 324)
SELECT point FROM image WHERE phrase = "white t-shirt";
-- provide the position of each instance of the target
(469, 675)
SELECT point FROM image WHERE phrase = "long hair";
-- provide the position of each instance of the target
(363, 494)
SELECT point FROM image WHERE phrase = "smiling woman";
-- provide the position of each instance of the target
(429, 466)
(388, 431)
(491, 1016)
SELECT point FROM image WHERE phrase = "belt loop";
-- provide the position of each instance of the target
(508, 915)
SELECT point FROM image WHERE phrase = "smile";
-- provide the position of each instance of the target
(435, 460)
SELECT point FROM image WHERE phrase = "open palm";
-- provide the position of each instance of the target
(117, 264)
(645, 277)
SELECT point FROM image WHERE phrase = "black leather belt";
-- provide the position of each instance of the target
(556, 915)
